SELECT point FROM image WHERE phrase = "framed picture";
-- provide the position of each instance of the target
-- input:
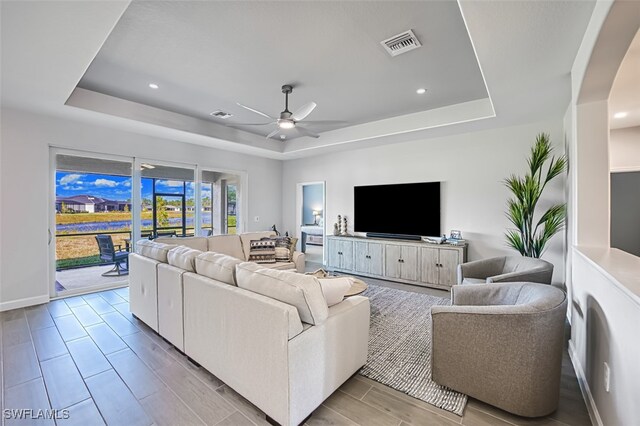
(456, 235)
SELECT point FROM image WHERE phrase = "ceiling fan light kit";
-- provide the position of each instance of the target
(287, 120)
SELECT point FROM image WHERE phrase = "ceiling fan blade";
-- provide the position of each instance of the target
(305, 132)
(250, 124)
(325, 122)
(303, 111)
(272, 134)
(255, 110)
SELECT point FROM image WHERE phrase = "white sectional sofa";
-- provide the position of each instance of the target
(266, 333)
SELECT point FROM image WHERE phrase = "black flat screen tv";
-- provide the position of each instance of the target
(406, 210)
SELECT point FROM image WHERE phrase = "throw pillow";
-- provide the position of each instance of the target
(334, 289)
(285, 246)
(262, 251)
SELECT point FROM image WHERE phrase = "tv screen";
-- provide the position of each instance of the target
(409, 209)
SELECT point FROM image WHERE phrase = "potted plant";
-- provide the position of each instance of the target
(530, 237)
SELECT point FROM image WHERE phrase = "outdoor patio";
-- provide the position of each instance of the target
(76, 279)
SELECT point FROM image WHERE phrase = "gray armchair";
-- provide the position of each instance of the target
(505, 269)
(502, 345)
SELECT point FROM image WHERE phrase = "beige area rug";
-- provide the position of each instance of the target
(81, 278)
(400, 346)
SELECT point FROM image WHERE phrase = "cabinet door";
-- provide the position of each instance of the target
(392, 261)
(409, 264)
(449, 259)
(333, 248)
(429, 265)
(361, 257)
(346, 248)
(375, 258)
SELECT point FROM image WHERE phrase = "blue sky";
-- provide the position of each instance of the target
(114, 187)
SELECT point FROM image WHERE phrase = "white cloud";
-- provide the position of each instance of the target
(171, 183)
(70, 179)
(105, 183)
(126, 183)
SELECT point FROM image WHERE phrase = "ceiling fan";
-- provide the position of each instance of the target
(287, 120)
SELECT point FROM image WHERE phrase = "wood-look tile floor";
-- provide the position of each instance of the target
(89, 355)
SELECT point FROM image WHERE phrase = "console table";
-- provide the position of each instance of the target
(406, 261)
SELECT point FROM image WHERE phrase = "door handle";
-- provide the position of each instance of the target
(50, 236)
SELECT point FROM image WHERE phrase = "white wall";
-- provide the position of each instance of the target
(624, 149)
(25, 182)
(470, 166)
(604, 328)
(603, 284)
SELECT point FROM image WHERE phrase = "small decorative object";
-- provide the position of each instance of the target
(339, 224)
(336, 229)
(456, 235)
(344, 226)
(274, 229)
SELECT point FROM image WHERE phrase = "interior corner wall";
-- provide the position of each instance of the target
(592, 178)
(24, 189)
(624, 149)
(471, 167)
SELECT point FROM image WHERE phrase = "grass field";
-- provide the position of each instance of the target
(67, 218)
(83, 250)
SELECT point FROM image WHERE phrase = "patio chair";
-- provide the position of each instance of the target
(108, 253)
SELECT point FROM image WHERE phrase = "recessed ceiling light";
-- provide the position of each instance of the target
(282, 136)
(620, 114)
(153, 85)
(421, 91)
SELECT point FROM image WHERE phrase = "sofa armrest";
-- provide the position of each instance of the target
(480, 268)
(299, 259)
(537, 275)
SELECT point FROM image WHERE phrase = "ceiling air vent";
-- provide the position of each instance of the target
(221, 114)
(401, 43)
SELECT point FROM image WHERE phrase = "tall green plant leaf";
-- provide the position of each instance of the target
(529, 239)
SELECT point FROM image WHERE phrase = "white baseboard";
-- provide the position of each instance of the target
(584, 386)
(21, 303)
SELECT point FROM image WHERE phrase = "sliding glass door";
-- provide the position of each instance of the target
(92, 204)
(167, 205)
(100, 205)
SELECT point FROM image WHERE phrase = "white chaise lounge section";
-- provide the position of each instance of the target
(143, 280)
(170, 293)
(259, 346)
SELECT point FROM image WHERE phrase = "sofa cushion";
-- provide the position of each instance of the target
(262, 251)
(299, 290)
(226, 244)
(334, 289)
(183, 257)
(219, 267)
(198, 243)
(280, 266)
(246, 239)
(153, 250)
